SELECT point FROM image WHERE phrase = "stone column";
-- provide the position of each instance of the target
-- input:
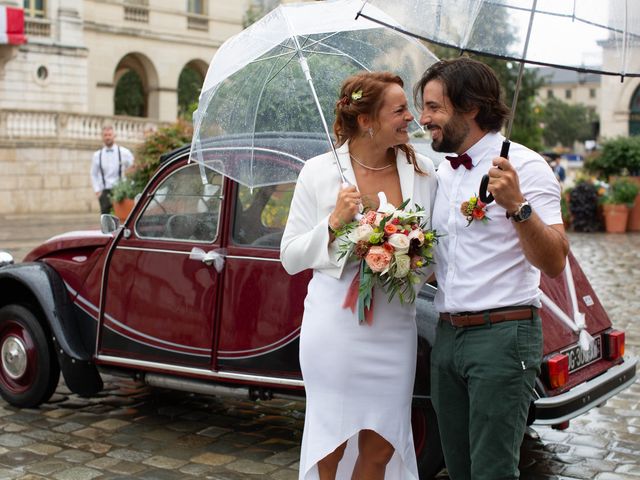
(70, 29)
(163, 104)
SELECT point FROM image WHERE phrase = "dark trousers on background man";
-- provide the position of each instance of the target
(105, 201)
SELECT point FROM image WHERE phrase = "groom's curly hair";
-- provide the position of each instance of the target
(363, 94)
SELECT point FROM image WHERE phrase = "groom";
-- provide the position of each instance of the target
(488, 346)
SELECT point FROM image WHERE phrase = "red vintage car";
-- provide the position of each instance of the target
(189, 294)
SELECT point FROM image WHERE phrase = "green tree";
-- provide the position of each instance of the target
(565, 124)
(189, 85)
(493, 26)
(129, 97)
(257, 10)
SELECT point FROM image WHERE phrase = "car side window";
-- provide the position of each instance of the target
(184, 207)
(261, 214)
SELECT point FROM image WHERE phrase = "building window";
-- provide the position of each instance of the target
(196, 6)
(35, 8)
(592, 93)
(567, 94)
(549, 93)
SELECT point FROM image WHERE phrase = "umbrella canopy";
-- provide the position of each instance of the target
(282, 76)
(556, 33)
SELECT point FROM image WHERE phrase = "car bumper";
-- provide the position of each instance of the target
(580, 399)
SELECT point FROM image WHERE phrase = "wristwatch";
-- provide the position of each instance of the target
(522, 214)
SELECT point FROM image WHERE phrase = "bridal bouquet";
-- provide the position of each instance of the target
(392, 244)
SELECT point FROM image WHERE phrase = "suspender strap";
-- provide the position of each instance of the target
(104, 183)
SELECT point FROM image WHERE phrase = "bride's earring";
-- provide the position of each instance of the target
(370, 132)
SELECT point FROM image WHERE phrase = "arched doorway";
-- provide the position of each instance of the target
(134, 79)
(189, 85)
(634, 113)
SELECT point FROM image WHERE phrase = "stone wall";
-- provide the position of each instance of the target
(45, 158)
(38, 178)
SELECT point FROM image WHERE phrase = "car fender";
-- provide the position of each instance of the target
(37, 282)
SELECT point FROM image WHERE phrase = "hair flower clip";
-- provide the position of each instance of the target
(357, 95)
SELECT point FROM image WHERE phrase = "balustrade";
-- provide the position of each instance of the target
(26, 124)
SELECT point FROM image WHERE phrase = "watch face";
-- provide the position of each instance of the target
(525, 212)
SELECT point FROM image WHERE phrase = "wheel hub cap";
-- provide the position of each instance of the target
(14, 357)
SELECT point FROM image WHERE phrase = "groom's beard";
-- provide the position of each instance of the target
(452, 135)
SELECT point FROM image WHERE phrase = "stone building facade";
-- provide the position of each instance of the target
(58, 89)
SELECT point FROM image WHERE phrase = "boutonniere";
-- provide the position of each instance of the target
(474, 209)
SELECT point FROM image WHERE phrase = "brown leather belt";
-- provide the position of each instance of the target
(474, 319)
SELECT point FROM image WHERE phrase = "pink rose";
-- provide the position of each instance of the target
(369, 218)
(378, 259)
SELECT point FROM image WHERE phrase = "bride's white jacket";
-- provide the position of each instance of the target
(305, 243)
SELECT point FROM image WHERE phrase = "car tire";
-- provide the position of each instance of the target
(426, 439)
(29, 369)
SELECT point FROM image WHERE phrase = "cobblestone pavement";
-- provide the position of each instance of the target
(131, 431)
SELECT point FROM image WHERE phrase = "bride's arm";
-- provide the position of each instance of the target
(306, 241)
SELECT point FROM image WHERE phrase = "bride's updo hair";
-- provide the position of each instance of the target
(363, 94)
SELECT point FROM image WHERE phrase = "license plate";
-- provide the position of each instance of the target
(578, 358)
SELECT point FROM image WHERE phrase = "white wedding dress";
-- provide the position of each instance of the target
(357, 376)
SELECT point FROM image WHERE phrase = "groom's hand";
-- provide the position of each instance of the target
(504, 185)
(347, 206)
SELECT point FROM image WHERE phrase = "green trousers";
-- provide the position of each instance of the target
(482, 382)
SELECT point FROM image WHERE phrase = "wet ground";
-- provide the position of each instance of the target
(131, 431)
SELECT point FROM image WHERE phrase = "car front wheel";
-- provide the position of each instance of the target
(426, 439)
(29, 370)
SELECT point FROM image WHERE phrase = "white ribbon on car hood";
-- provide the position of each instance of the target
(578, 324)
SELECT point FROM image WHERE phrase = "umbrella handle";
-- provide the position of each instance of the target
(484, 183)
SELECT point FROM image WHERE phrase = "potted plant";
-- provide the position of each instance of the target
(617, 203)
(583, 207)
(122, 197)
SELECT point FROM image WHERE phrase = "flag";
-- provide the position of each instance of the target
(12, 26)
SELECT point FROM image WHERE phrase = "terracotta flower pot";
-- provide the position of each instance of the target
(633, 224)
(123, 208)
(615, 218)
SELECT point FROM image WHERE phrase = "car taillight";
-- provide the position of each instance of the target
(614, 344)
(557, 370)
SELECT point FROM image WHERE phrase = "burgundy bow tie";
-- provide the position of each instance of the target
(463, 159)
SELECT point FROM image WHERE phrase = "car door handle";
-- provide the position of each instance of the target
(212, 257)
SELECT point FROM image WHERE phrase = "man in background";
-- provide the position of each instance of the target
(108, 167)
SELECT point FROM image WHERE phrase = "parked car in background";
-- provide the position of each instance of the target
(189, 293)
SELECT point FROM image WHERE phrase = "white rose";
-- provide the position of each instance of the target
(400, 242)
(417, 234)
(403, 265)
(361, 232)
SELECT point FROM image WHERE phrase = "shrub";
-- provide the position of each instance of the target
(620, 156)
(622, 192)
(583, 203)
(148, 155)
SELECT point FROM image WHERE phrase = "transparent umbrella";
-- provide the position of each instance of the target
(555, 33)
(279, 79)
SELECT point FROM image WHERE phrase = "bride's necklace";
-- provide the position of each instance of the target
(373, 169)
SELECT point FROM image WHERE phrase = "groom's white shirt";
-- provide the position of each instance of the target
(305, 243)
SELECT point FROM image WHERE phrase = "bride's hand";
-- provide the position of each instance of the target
(347, 206)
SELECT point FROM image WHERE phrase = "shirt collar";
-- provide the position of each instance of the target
(486, 146)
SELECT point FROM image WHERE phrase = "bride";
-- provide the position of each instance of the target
(358, 377)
